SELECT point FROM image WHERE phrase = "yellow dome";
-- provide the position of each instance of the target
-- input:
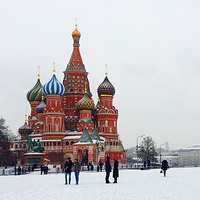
(76, 33)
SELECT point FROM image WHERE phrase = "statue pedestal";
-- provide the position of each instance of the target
(34, 157)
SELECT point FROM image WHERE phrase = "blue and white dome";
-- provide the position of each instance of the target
(54, 87)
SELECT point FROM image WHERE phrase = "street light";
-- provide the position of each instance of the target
(137, 146)
(160, 150)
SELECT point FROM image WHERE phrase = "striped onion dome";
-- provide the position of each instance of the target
(54, 87)
(106, 88)
(40, 107)
(35, 94)
(85, 103)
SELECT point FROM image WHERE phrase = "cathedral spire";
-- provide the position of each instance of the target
(76, 62)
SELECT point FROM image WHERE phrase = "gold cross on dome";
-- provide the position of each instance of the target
(38, 72)
(106, 70)
(54, 67)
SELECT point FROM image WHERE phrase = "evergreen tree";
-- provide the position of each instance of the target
(146, 150)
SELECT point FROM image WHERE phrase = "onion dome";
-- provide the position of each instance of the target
(54, 87)
(35, 94)
(40, 107)
(85, 103)
(106, 88)
(76, 33)
(25, 129)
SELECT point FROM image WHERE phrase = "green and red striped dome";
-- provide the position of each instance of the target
(35, 94)
(106, 88)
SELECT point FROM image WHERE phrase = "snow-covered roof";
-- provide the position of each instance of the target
(52, 140)
(72, 137)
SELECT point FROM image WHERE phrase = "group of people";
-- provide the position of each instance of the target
(21, 169)
(147, 164)
(108, 169)
(69, 165)
(68, 169)
(44, 169)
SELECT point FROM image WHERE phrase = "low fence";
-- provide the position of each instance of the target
(57, 169)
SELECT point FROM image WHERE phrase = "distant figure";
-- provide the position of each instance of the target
(29, 169)
(15, 168)
(108, 169)
(88, 167)
(100, 166)
(164, 166)
(45, 169)
(77, 168)
(92, 166)
(115, 171)
(19, 170)
(148, 164)
(145, 164)
(68, 169)
(41, 168)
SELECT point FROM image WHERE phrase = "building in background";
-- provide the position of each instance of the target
(65, 119)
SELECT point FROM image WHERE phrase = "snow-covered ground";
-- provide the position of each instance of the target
(180, 184)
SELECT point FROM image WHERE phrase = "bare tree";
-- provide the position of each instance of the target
(146, 149)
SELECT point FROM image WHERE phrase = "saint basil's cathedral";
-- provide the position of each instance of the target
(65, 119)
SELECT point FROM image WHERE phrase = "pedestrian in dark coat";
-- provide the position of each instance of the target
(77, 169)
(29, 169)
(148, 164)
(115, 171)
(100, 166)
(164, 166)
(145, 164)
(15, 170)
(19, 170)
(108, 169)
(68, 169)
(41, 168)
(45, 169)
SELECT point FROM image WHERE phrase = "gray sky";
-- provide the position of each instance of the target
(152, 50)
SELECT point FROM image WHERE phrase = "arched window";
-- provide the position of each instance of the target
(68, 124)
(71, 90)
(67, 143)
(71, 142)
(16, 146)
(58, 143)
(73, 123)
(49, 127)
(54, 143)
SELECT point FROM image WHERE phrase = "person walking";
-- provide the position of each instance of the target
(77, 168)
(164, 166)
(68, 169)
(115, 171)
(108, 169)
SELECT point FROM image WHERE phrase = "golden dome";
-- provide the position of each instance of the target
(76, 33)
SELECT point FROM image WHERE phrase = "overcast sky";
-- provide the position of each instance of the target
(152, 49)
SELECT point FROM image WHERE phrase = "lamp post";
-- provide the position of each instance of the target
(137, 146)
(160, 150)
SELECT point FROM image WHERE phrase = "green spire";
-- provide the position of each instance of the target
(95, 135)
(85, 137)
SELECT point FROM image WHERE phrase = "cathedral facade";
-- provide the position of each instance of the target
(66, 120)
